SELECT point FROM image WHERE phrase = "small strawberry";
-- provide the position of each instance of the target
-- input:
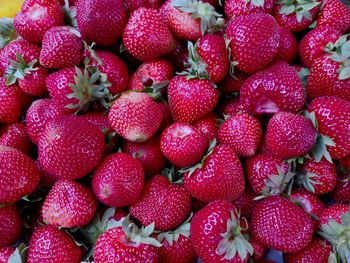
(234, 8)
(208, 126)
(335, 14)
(232, 84)
(341, 192)
(15, 135)
(10, 225)
(118, 180)
(231, 107)
(5, 253)
(135, 4)
(245, 202)
(288, 47)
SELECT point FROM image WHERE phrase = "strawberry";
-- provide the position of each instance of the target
(242, 132)
(245, 202)
(218, 176)
(288, 47)
(18, 175)
(153, 38)
(232, 84)
(333, 212)
(231, 107)
(61, 48)
(289, 229)
(254, 41)
(312, 45)
(296, 15)
(50, 244)
(15, 135)
(217, 236)
(149, 153)
(341, 192)
(290, 135)
(234, 8)
(70, 147)
(34, 83)
(118, 180)
(182, 144)
(191, 99)
(101, 22)
(10, 225)
(208, 126)
(335, 14)
(135, 116)
(69, 204)
(5, 254)
(46, 179)
(135, 4)
(36, 17)
(259, 250)
(345, 162)
(276, 88)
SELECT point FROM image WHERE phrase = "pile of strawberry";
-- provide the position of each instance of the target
(175, 131)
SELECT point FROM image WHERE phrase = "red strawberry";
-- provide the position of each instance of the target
(208, 126)
(217, 236)
(336, 14)
(341, 192)
(233, 84)
(218, 176)
(48, 180)
(118, 180)
(245, 202)
(135, 116)
(254, 41)
(149, 153)
(15, 136)
(259, 250)
(276, 88)
(290, 135)
(135, 4)
(234, 8)
(242, 133)
(146, 36)
(182, 144)
(50, 244)
(345, 162)
(101, 22)
(333, 212)
(231, 107)
(69, 204)
(70, 147)
(36, 17)
(288, 47)
(191, 99)
(34, 83)
(282, 225)
(5, 253)
(10, 225)
(18, 175)
(61, 48)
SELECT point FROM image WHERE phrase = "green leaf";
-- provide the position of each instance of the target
(345, 49)
(259, 3)
(344, 73)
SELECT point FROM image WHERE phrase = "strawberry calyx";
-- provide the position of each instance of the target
(233, 63)
(154, 90)
(70, 14)
(173, 176)
(301, 8)
(308, 181)
(257, 3)
(173, 236)
(18, 69)
(19, 255)
(303, 75)
(7, 31)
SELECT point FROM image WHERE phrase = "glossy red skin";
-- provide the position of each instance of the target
(334, 212)
(313, 43)
(230, 85)
(234, 8)
(206, 227)
(181, 251)
(34, 83)
(39, 114)
(333, 121)
(245, 202)
(254, 41)
(290, 135)
(290, 22)
(113, 246)
(101, 22)
(69, 204)
(135, 116)
(183, 144)
(335, 14)
(153, 38)
(324, 80)
(70, 147)
(242, 132)
(50, 244)
(18, 175)
(135, 4)
(231, 107)
(5, 253)
(118, 180)
(276, 88)
(282, 225)
(15, 135)
(149, 153)
(10, 225)
(345, 162)
(54, 54)
(221, 177)
(259, 167)
(212, 50)
(208, 126)
(165, 204)
(189, 100)
(288, 47)
(341, 192)
(36, 17)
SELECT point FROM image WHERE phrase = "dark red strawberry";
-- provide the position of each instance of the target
(345, 162)
(5, 253)
(288, 47)
(233, 84)
(167, 119)
(335, 14)
(245, 202)
(234, 8)
(208, 126)
(10, 225)
(341, 192)
(180, 55)
(259, 250)
(15, 135)
(135, 4)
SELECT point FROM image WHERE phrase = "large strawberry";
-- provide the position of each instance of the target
(15, 135)
(336, 14)
(234, 8)
(288, 47)
(10, 225)
(254, 41)
(71, 147)
(217, 236)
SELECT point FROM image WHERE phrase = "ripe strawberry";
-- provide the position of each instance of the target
(245, 202)
(18, 175)
(183, 144)
(135, 116)
(61, 48)
(231, 107)
(15, 135)
(146, 36)
(101, 22)
(135, 4)
(36, 17)
(232, 84)
(341, 192)
(276, 88)
(70, 147)
(50, 244)
(208, 126)
(288, 47)
(5, 253)
(333, 212)
(290, 135)
(254, 41)
(290, 229)
(191, 99)
(335, 14)
(219, 176)
(34, 83)
(118, 180)
(10, 225)
(234, 8)
(217, 236)
(165, 204)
